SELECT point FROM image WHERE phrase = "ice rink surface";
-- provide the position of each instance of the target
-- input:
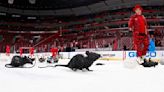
(114, 76)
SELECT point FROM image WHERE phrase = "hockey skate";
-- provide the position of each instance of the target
(139, 60)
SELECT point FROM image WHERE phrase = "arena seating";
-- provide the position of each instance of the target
(88, 31)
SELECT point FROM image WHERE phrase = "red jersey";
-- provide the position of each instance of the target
(7, 49)
(20, 51)
(54, 51)
(138, 23)
(31, 51)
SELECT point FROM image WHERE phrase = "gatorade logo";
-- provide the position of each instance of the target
(132, 54)
(149, 54)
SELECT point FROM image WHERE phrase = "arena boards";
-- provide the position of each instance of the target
(106, 55)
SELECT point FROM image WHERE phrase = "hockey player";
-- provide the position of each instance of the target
(138, 25)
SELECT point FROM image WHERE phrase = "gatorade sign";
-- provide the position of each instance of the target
(149, 54)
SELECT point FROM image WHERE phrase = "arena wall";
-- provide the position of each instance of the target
(106, 55)
(117, 55)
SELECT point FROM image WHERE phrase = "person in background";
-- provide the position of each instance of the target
(115, 45)
(152, 43)
(20, 51)
(54, 55)
(54, 52)
(7, 50)
(31, 51)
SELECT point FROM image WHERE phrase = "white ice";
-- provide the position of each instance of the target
(111, 77)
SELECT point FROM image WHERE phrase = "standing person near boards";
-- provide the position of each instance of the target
(138, 25)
